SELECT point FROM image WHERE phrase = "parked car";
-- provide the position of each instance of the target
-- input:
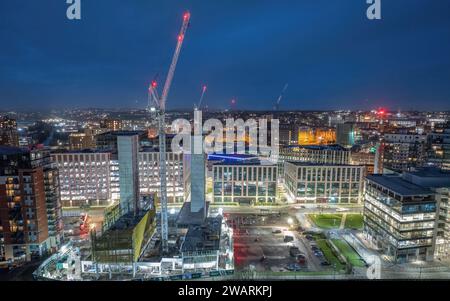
(294, 251)
(309, 237)
(301, 259)
(276, 231)
(288, 238)
(294, 267)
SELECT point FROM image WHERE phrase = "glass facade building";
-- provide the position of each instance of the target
(246, 183)
(324, 183)
(400, 218)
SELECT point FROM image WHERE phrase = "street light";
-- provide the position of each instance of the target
(290, 221)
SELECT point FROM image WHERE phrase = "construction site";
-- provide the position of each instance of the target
(139, 239)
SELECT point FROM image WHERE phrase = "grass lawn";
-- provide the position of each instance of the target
(348, 253)
(329, 255)
(326, 221)
(354, 221)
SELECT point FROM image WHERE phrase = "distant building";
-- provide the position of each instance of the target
(324, 183)
(8, 132)
(364, 158)
(345, 134)
(30, 221)
(108, 141)
(321, 154)
(111, 124)
(400, 217)
(314, 136)
(288, 134)
(243, 179)
(438, 148)
(402, 152)
(78, 141)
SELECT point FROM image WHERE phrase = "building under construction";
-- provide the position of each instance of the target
(125, 240)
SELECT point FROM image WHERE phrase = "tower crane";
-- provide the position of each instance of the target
(277, 104)
(160, 103)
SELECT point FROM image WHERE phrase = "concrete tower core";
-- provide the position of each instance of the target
(127, 146)
(195, 211)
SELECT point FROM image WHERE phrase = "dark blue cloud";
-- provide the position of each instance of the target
(328, 52)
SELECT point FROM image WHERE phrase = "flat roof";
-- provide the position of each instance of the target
(81, 151)
(204, 237)
(11, 150)
(430, 173)
(121, 133)
(399, 185)
(299, 163)
(334, 147)
(186, 217)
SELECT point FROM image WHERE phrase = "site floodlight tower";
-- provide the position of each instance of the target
(161, 107)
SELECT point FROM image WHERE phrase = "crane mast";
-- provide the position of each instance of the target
(161, 105)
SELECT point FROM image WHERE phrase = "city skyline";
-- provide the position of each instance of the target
(329, 53)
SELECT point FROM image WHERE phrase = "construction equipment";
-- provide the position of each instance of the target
(160, 103)
(204, 88)
(277, 104)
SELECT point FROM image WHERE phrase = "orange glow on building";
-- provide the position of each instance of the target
(308, 136)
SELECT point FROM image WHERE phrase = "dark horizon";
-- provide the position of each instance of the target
(332, 57)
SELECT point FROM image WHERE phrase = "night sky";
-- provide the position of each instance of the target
(331, 55)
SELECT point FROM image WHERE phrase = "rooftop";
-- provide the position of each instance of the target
(399, 185)
(187, 217)
(81, 151)
(297, 163)
(121, 133)
(11, 150)
(332, 147)
(205, 237)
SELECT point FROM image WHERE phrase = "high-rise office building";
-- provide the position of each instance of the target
(8, 132)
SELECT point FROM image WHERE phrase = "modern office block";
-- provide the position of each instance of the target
(324, 183)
